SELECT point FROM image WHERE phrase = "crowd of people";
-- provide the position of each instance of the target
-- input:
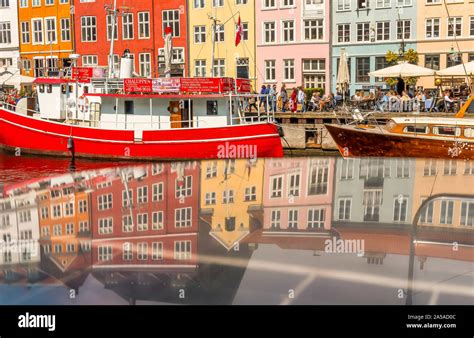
(10, 96)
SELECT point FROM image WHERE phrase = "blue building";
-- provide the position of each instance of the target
(367, 29)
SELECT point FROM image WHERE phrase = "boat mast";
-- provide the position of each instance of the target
(213, 37)
(112, 12)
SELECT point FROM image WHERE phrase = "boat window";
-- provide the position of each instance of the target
(447, 131)
(211, 107)
(416, 129)
(63, 89)
(50, 89)
(469, 132)
(128, 107)
(70, 89)
(41, 88)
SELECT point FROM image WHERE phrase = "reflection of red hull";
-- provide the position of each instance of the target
(359, 142)
(33, 135)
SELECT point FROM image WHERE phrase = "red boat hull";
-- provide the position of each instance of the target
(37, 136)
(353, 142)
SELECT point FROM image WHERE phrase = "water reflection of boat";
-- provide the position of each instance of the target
(431, 137)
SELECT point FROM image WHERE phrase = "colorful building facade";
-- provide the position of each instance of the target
(229, 59)
(139, 28)
(46, 36)
(438, 35)
(231, 198)
(293, 43)
(367, 30)
(9, 44)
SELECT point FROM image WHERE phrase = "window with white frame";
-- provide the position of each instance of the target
(219, 33)
(57, 230)
(270, 70)
(403, 29)
(171, 19)
(69, 229)
(144, 61)
(25, 32)
(183, 217)
(447, 212)
(217, 3)
(104, 253)
(127, 249)
(294, 184)
(400, 208)
(276, 187)
(24, 3)
(313, 29)
(157, 193)
(383, 3)
(469, 168)
(65, 29)
(343, 5)
(127, 26)
(106, 226)
(454, 26)
(318, 177)
(344, 32)
(210, 198)
(363, 32)
(200, 68)
(127, 223)
(105, 201)
(5, 32)
(228, 196)
(450, 167)
(287, 3)
(403, 3)
(314, 73)
(182, 250)
(211, 169)
(142, 222)
(37, 25)
(143, 25)
(467, 213)
(25, 216)
(142, 251)
(199, 34)
(84, 226)
(250, 194)
(69, 209)
(110, 27)
(432, 28)
(127, 198)
(426, 216)
(383, 31)
(184, 187)
(35, 3)
(347, 168)
(288, 70)
(403, 168)
(157, 220)
(157, 251)
(293, 219)
(219, 68)
(267, 4)
(471, 26)
(199, 3)
(142, 194)
(316, 218)
(269, 32)
(344, 211)
(56, 210)
(88, 29)
(288, 31)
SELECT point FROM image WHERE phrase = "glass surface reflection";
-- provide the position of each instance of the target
(268, 231)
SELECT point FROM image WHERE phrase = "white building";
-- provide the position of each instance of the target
(9, 43)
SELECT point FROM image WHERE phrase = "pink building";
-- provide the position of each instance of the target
(293, 43)
(298, 193)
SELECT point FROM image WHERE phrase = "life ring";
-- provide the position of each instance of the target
(83, 103)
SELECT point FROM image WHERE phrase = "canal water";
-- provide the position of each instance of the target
(298, 230)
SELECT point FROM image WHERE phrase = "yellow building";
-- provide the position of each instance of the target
(437, 36)
(46, 36)
(449, 177)
(231, 198)
(229, 60)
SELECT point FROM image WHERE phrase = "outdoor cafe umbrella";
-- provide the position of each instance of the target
(343, 74)
(403, 69)
(466, 69)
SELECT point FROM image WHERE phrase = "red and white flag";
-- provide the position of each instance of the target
(238, 35)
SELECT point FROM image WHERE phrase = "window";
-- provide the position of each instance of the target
(127, 26)
(199, 3)
(83, 226)
(142, 222)
(363, 32)
(37, 31)
(111, 28)
(199, 34)
(383, 3)
(344, 213)
(343, 5)
(400, 209)
(217, 3)
(23, 3)
(288, 70)
(144, 60)
(157, 220)
(471, 25)
(127, 251)
(182, 250)
(219, 33)
(276, 187)
(38, 67)
(219, 68)
(372, 200)
(127, 198)
(56, 211)
(446, 216)
(467, 213)
(5, 32)
(294, 184)
(35, 3)
(127, 223)
(69, 229)
(250, 194)
(157, 193)
(142, 251)
(182, 217)
(245, 30)
(269, 4)
(269, 35)
(69, 209)
(403, 29)
(89, 60)
(183, 188)
(44, 213)
(25, 32)
(106, 226)
(318, 177)
(432, 61)
(171, 19)
(50, 25)
(362, 4)
(293, 219)
(426, 216)
(374, 167)
(105, 202)
(347, 168)
(383, 31)
(270, 72)
(142, 194)
(88, 29)
(288, 28)
(157, 251)
(228, 196)
(403, 3)
(200, 68)
(429, 168)
(25, 216)
(450, 167)
(316, 218)
(344, 32)
(454, 26)
(432, 28)
(362, 69)
(210, 198)
(469, 168)
(49, 2)
(65, 29)
(57, 230)
(275, 219)
(143, 25)
(403, 168)
(313, 29)
(211, 169)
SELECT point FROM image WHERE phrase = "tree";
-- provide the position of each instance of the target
(410, 56)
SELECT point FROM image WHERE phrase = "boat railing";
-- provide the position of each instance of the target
(20, 110)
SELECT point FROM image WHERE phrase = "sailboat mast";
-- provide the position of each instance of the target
(112, 40)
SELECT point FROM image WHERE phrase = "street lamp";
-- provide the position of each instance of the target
(453, 55)
(401, 51)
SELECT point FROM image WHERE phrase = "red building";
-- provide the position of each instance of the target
(140, 26)
(154, 225)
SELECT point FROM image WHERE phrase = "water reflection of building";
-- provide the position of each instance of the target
(298, 193)
(373, 190)
(146, 218)
(444, 176)
(231, 198)
(19, 235)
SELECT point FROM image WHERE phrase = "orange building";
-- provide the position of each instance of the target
(64, 222)
(46, 36)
